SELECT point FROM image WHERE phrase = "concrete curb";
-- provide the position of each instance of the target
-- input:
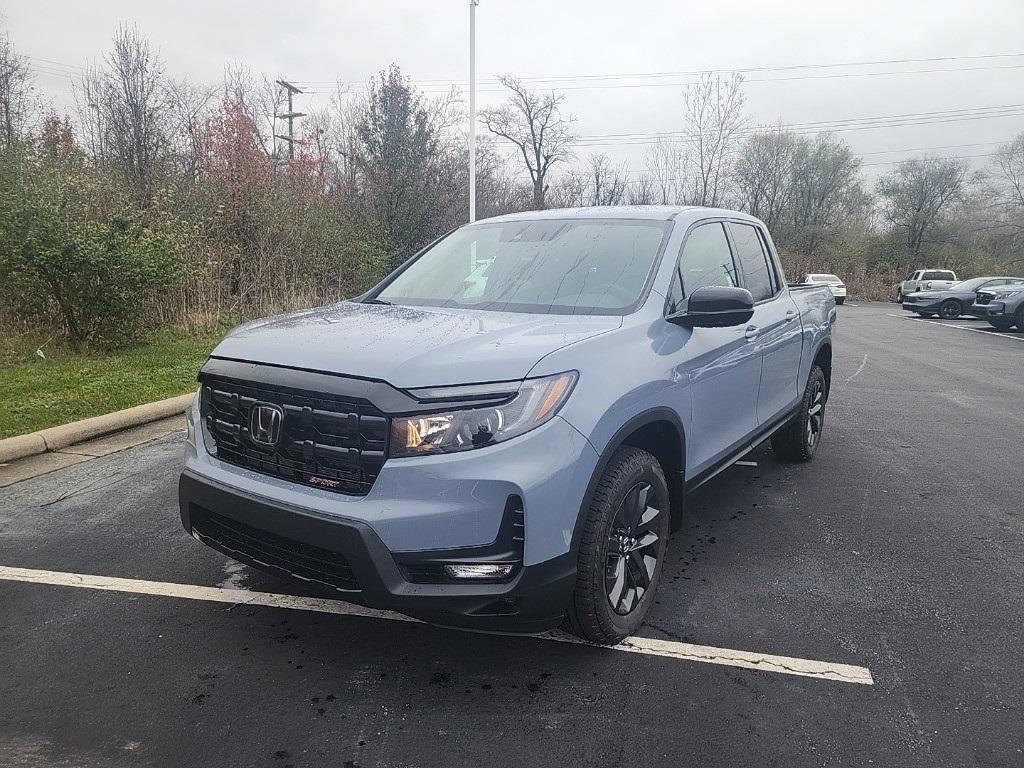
(55, 438)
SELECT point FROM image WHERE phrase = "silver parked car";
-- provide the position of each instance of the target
(837, 286)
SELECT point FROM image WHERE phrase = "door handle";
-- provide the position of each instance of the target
(752, 332)
(790, 315)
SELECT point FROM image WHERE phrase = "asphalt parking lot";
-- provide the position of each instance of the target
(899, 550)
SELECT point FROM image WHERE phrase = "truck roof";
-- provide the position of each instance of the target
(648, 212)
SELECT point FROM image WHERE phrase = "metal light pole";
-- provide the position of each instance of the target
(472, 109)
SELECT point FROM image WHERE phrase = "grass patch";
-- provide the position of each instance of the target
(67, 385)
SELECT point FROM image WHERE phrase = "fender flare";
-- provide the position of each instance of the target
(677, 486)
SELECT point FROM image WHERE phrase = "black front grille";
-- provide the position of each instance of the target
(303, 561)
(325, 441)
(984, 298)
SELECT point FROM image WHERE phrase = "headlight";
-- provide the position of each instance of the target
(1009, 294)
(536, 402)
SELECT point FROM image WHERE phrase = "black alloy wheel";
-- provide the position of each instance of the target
(624, 535)
(950, 310)
(798, 438)
(815, 413)
(634, 548)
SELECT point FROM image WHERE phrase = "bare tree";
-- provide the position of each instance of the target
(764, 175)
(825, 188)
(918, 194)
(714, 122)
(16, 95)
(666, 162)
(125, 107)
(1006, 175)
(189, 107)
(607, 181)
(533, 121)
(641, 191)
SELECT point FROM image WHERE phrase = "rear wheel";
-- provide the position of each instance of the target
(798, 439)
(840, 299)
(1020, 319)
(621, 550)
(950, 310)
(899, 295)
(1001, 325)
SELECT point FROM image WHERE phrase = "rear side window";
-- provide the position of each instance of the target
(758, 277)
(705, 260)
(938, 275)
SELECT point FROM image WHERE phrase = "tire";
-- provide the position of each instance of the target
(615, 581)
(798, 439)
(899, 295)
(840, 300)
(1001, 325)
(1019, 318)
(950, 310)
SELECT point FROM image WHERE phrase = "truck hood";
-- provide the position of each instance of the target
(410, 346)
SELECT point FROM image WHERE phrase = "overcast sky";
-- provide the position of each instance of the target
(318, 42)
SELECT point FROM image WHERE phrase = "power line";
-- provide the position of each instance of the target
(831, 129)
(824, 124)
(648, 178)
(698, 72)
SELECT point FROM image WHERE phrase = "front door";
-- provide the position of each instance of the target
(720, 367)
(775, 326)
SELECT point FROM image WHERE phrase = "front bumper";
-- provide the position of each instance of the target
(922, 306)
(992, 310)
(348, 556)
(420, 513)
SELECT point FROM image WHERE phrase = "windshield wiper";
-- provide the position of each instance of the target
(376, 301)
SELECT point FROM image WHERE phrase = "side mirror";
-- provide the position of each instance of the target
(715, 306)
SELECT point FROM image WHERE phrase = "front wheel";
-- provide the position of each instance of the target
(621, 550)
(1019, 319)
(899, 296)
(1001, 325)
(950, 310)
(798, 439)
(840, 299)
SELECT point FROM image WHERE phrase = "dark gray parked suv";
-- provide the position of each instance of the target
(1002, 307)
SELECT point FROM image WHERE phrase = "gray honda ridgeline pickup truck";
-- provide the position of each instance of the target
(500, 436)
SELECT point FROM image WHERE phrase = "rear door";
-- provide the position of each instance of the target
(721, 367)
(775, 327)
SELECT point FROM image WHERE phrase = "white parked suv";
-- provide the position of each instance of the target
(927, 280)
(837, 286)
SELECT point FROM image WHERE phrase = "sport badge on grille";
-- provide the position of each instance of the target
(265, 423)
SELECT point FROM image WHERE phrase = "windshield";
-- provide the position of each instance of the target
(550, 266)
(971, 285)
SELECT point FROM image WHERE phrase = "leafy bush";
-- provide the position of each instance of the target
(77, 253)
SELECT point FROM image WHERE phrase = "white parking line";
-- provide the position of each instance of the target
(786, 665)
(992, 333)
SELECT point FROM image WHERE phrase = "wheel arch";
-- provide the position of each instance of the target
(660, 432)
(823, 359)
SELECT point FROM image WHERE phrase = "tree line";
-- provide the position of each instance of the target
(161, 201)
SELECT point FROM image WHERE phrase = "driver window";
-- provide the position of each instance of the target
(705, 260)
